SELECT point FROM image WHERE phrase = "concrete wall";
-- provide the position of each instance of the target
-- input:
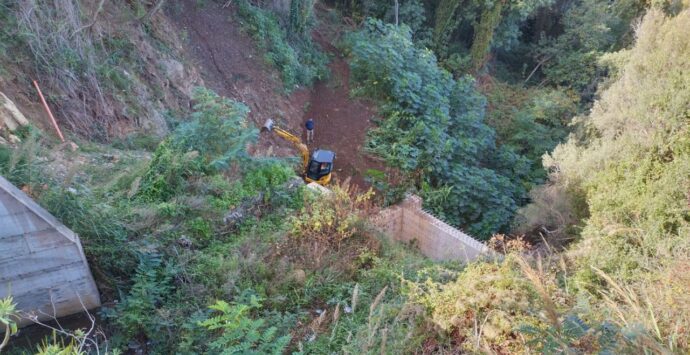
(42, 264)
(408, 222)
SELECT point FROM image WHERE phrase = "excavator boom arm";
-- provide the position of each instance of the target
(297, 142)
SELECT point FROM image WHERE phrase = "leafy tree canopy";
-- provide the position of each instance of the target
(434, 125)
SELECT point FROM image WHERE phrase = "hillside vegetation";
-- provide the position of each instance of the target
(557, 131)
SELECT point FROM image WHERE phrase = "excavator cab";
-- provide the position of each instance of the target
(317, 168)
(320, 167)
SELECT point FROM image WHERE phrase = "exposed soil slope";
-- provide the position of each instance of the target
(341, 123)
(120, 77)
(232, 65)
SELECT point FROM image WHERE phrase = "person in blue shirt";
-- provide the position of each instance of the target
(310, 130)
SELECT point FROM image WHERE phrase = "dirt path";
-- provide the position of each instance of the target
(230, 64)
(341, 123)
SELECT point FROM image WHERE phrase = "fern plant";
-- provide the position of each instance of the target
(238, 333)
(139, 312)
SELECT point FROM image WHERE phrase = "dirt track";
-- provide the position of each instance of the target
(231, 65)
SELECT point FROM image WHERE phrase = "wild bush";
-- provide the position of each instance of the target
(633, 167)
(530, 122)
(590, 29)
(218, 130)
(370, 311)
(326, 220)
(8, 33)
(499, 24)
(412, 13)
(433, 125)
(626, 175)
(67, 58)
(482, 305)
(215, 139)
(100, 229)
(19, 165)
(516, 306)
(298, 60)
(301, 13)
(175, 209)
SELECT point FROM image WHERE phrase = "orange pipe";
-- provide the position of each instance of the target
(52, 119)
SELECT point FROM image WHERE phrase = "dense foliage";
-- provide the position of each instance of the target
(631, 162)
(287, 45)
(590, 29)
(203, 248)
(215, 139)
(434, 125)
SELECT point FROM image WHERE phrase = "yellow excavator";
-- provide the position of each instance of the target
(319, 167)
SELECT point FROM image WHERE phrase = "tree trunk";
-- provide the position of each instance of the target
(397, 8)
(445, 23)
(484, 34)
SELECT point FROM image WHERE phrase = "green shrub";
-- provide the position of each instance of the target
(301, 13)
(214, 140)
(530, 122)
(325, 222)
(137, 141)
(590, 29)
(433, 125)
(632, 163)
(8, 316)
(266, 177)
(200, 228)
(299, 61)
(8, 32)
(219, 130)
(629, 161)
(485, 297)
(168, 172)
(19, 165)
(99, 227)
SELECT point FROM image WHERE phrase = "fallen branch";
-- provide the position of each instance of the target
(157, 6)
(541, 62)
(93, 21)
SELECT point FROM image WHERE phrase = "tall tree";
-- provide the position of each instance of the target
(445, 24)
(484, 34)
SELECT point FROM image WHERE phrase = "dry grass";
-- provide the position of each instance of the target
(326, 225)
(355, 297)
(65, 59)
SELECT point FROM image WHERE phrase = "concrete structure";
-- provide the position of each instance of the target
(408, 222)
(42, 264)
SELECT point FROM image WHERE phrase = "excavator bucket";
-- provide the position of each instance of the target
(268, 126)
